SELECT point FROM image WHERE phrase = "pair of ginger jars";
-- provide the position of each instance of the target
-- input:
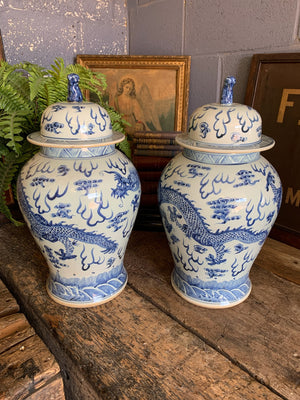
(218, 200)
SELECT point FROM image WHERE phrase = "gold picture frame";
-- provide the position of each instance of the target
(160, 87)
(158, 79)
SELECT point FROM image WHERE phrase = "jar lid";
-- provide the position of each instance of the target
(75, 123)
(225, 127)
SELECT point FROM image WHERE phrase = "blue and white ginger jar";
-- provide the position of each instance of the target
(218, 200)
(79, 196)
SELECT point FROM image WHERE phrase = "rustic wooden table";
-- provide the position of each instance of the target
(149, 343)
(27, 368)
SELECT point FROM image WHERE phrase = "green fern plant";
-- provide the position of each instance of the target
(25, 91)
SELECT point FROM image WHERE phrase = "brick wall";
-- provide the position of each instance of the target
(40, 30)
(220, 35)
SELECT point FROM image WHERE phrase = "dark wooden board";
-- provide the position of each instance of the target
(273, 90)
(261, 334)
(27, 368)
(280, 258)
(129, 348)
(8, 304)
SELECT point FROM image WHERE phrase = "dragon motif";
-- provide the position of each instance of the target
(277, 191)
(66, 234)
(195, 227)
(124, 184)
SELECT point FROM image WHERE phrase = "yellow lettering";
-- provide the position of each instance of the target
(292, 198)
(285, 103)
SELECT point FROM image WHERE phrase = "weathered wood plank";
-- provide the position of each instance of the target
(130, 349)
(261, 334)
(15, 338)
(26, 369)
(8, 304)
(281, 259)
(127, 348)
(52, 390)
(12, 323)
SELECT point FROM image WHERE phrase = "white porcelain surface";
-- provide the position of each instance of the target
(81, 210)
(216, 218)
(218, 200)
(75, 124)
(79, 197)
(227, 127)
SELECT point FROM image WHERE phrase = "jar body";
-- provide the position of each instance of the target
(80, 205)
(217, 211)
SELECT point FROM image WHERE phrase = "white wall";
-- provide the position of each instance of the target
(220, 35)
(41, 30)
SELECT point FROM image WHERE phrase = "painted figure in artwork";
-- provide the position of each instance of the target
(138, 109)
(125, 102)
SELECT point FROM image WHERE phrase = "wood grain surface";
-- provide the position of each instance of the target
(280, 258)
(261, 335)
(8, 304)
(27, 368)
(148, 343)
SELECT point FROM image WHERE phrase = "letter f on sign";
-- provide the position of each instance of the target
(285, 103)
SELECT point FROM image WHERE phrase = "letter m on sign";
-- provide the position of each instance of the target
(293, 199)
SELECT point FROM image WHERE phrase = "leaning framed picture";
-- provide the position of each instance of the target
(274, 91)
(151, 93)
(158, 88)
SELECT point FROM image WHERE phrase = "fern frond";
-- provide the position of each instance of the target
(11, 129)
(11, 98)
(87, 76)
(28, 150)
(8, 170)
(3, 148)
(93, 81)
(125, 148)
(6, 70)
(26, 90)
(58, 71)
(55, 92)
(4, 209)
(35, 84)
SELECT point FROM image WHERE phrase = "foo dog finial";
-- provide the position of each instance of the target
(227, 92)
(73, 88)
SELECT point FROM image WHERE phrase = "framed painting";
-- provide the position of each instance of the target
(151, 92)
(274, 91)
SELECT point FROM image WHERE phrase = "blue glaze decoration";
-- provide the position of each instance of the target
(63, 233)
(216, 220)
(79, 196)
(88, 290)
(218, 201)
(220, 158)
(88, 152)
(227, 92)
(222, 119)
(74, 92)
(54, 127)
(194, 226)
(211, 294)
